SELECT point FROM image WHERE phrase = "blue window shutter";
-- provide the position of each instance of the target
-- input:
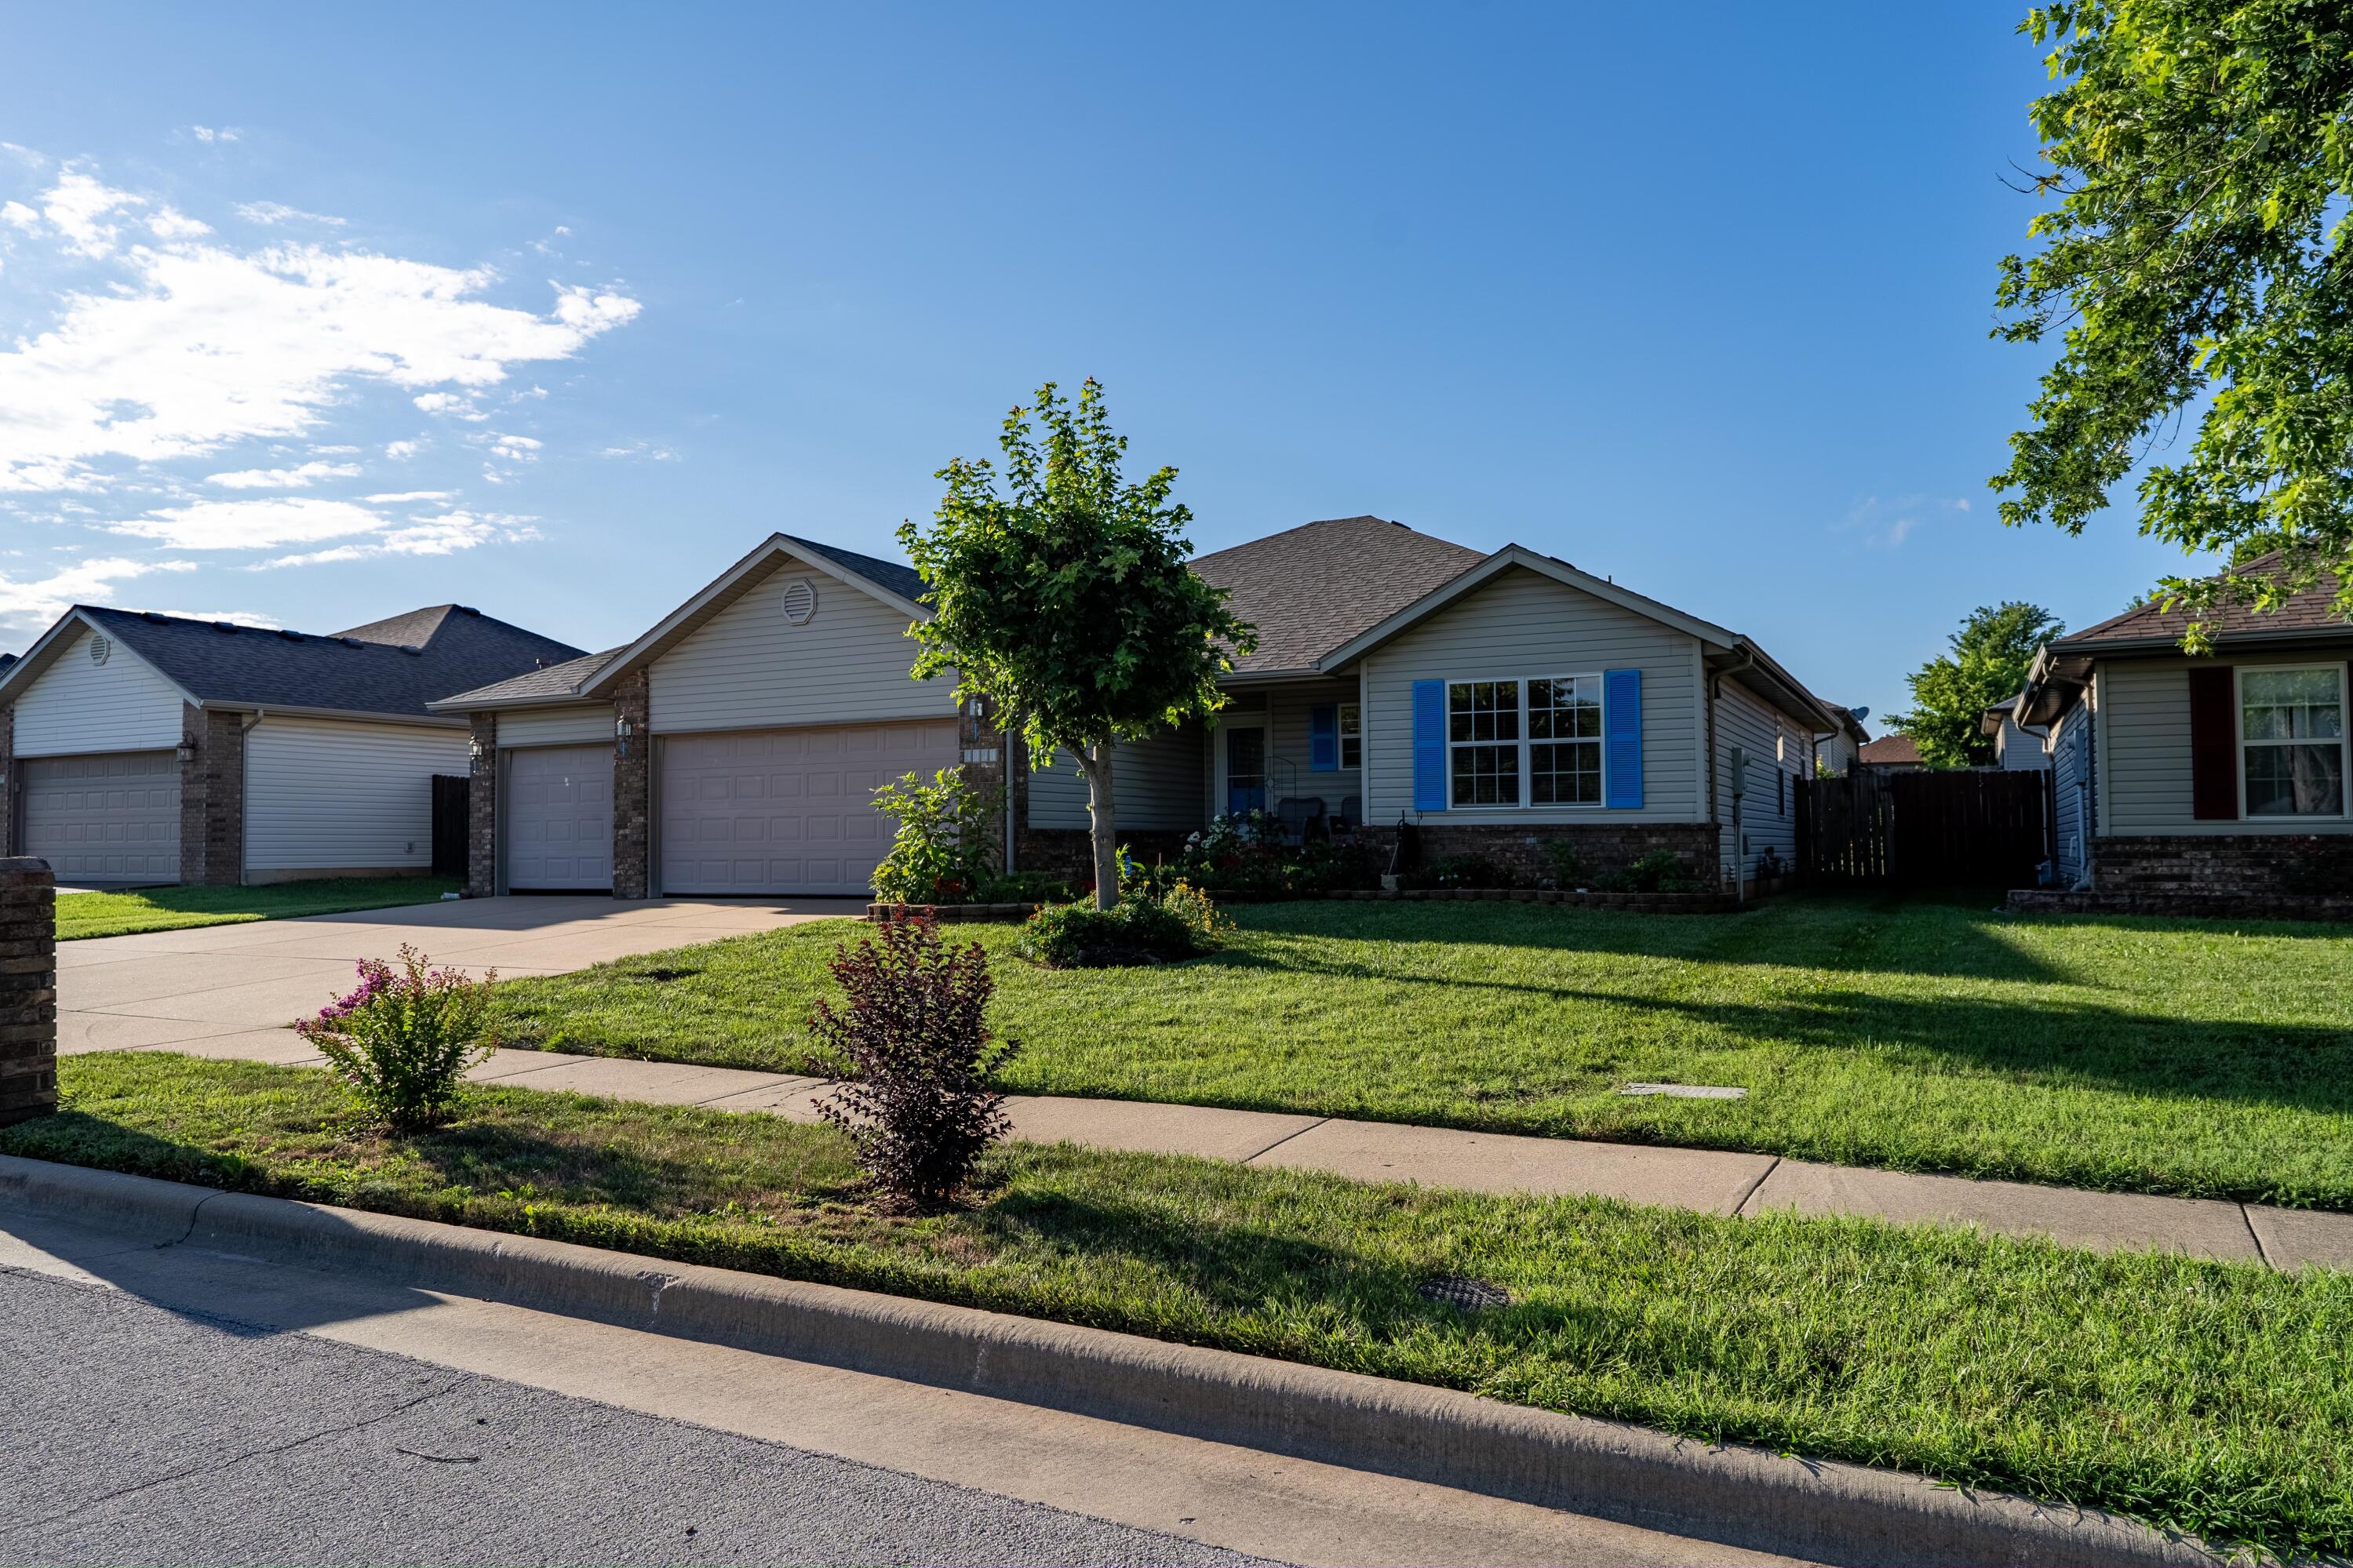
(1324, 738)
(1621, 738)
(1430, 745)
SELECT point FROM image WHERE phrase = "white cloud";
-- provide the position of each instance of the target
(396, 498)
(86, 582)
(400, 451)
(448, 403)
(202, 346)
(334, 451)
(171, 223)
(252, 524)
(443, 535)
(293, 478)
(253, 619)
(652, 453)
(76, 203)
(516, 449)
(1885, 522)
(20, 216)
(278, 211)
(211, 133)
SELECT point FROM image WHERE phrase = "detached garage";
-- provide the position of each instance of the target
(146, 749)
(742, 739)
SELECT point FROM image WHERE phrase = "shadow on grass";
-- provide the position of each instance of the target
(1950, 934)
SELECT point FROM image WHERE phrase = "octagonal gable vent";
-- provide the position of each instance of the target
(800, 602)
(100, 647)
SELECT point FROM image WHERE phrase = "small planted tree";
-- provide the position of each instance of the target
(913, 1027)
(1064, 599)
(404, 1037)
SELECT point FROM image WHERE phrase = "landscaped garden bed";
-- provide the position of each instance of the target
(2201, 1059)
(2202, 1395)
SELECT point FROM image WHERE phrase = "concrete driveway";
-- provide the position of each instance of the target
(231, 990)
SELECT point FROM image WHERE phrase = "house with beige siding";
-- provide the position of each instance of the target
(1493, 701)
(2216, 781)
(140, 748)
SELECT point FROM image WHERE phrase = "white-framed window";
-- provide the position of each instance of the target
(1543, 730)
(2292, 740)
(1352, 736)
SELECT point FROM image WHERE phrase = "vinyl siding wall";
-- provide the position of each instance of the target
(1775, 744)
(2071, 791)
(1522, 625)
(123, 705)
(747, 668)
(582, 724)
(1155, 783)
(2144, 740)
(324, 795)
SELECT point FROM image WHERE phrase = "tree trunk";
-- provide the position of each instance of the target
(1096, 761)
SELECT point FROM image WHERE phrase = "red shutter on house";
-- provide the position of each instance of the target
(2213, 743)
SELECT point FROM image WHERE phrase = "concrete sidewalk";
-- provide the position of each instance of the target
(1710, 1181)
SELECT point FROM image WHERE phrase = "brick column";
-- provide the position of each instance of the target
(9, 844)
(212, 797)
(986, 765)
(28, 991)
(483, 809)
(632, 792)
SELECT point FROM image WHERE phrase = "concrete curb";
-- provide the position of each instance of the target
(1825, 1510)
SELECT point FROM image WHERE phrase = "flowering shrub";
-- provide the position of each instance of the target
(942, 852)
(1145, 927)
(913, 1029)
(404, 1037)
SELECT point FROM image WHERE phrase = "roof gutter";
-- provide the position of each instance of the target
(348, 715)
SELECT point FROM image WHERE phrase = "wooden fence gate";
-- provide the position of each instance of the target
(450, 793)
(1921, 830)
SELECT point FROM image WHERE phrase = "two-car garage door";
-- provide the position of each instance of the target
(786, 810)
(106, 819)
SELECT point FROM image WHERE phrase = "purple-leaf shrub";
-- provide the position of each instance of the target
(913, 1029)
(405, 1037)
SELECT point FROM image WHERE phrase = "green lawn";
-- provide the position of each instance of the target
(2204, 1396)
(169, 908)
(2200, 1057)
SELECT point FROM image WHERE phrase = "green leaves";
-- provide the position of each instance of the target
(2197, 260)
(1987, 664)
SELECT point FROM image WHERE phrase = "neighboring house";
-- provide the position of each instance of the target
(2017, 748)
(145, 748)
(1893, 753)
(1493, 701)
(1841, 752)
(2200, 781)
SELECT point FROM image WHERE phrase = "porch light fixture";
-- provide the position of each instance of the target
(186, 749)
(477, 753)
(621, 733)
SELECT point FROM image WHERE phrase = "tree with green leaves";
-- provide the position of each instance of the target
(1987, 664)
(1064, 599)
(2198, 260)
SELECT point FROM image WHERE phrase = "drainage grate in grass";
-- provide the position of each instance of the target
(1471, 1295)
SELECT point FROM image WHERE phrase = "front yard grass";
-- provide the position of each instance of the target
(2204, 1396)
(2207, 1059)
(171, 908)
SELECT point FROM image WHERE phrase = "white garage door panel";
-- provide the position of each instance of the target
(105, 818)
(786, 810)
(559, 817)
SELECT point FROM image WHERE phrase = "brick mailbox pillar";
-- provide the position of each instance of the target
(29, 990)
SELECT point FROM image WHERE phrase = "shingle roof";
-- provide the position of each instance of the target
(213, 661)
(552, 683)
(899, 577)
(1312, 588)
(1898, 751)
(2312, 610)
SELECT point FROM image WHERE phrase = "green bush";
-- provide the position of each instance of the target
(943, 851)
(1140, 928)
(1563, 861)
(1466, 871)
(404, 1037)
(1658, 872)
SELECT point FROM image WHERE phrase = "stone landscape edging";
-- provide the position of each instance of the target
(1706, 903)
(1823, 1510)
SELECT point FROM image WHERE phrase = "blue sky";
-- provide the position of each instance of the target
(313, 318)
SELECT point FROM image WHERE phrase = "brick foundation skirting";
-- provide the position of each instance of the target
(28, 991)
(2185, 905)
(2227, 866)
(1710, 903)
(1603, 847)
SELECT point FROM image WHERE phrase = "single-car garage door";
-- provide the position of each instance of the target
(111, 818)
(559, 819)
(786, 810)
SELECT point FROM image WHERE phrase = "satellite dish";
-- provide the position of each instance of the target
(1859, 713)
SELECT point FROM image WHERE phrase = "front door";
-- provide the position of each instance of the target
(1246, 769)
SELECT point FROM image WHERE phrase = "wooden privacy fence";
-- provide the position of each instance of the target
(449, 797)
(1919, 829)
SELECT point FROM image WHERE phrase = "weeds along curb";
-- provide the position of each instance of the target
(1829, 1511)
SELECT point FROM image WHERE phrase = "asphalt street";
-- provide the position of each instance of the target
(133, 1433)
